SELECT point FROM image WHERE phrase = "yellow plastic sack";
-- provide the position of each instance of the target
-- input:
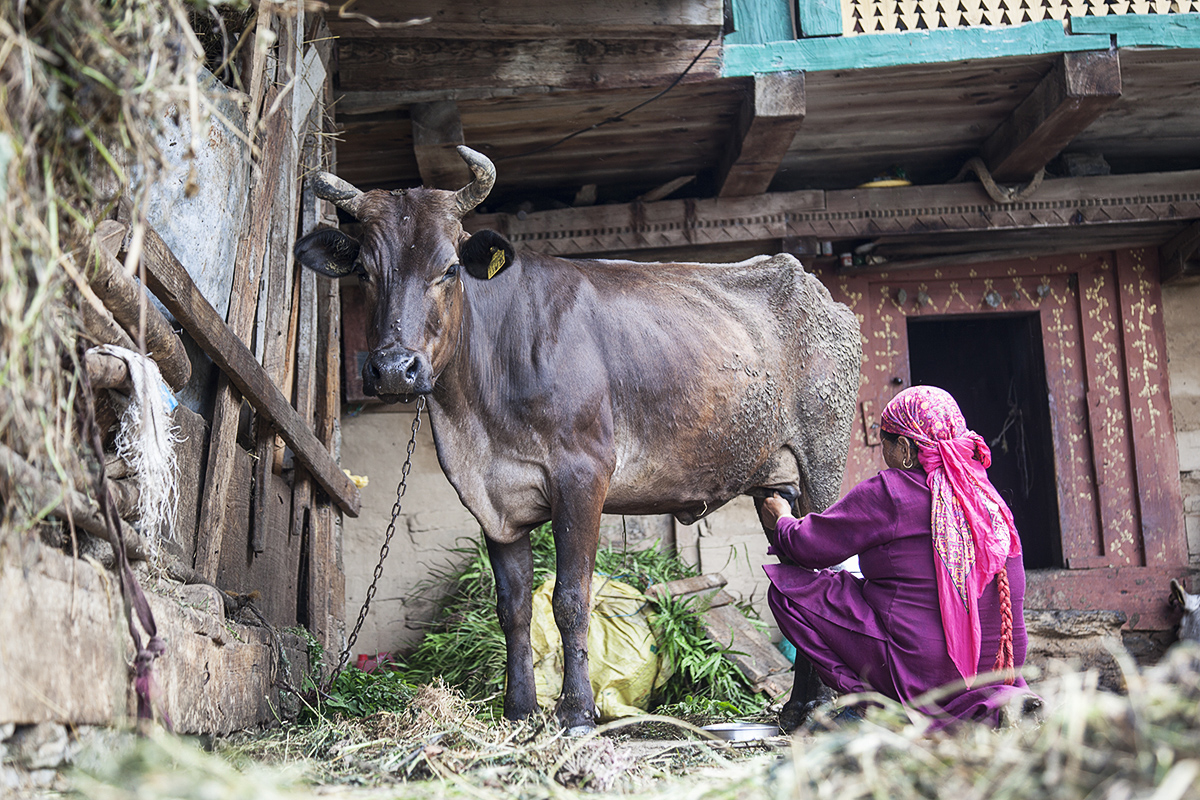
(625, 663)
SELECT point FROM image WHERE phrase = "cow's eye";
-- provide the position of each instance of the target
(451, 272)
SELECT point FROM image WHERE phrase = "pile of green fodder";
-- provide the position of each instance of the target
(1089, 744)
(464, 646)
(83, 83)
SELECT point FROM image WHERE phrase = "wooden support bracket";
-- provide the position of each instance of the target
(769, 119)
(1179, 258)
(1073, 94)
(437, 129)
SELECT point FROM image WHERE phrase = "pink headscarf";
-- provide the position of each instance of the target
(973, 530)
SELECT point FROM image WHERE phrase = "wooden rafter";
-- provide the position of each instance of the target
(767, 123)
(1072, 95)
(436, 129)
(1068, 203)
(540, 19)
(426, 67)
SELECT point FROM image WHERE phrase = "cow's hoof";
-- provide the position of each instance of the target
(576, 731)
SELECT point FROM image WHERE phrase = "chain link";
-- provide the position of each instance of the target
(387, 544)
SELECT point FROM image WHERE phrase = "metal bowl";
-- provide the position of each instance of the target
(742, 731)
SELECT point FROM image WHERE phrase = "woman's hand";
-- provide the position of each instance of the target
(773, 508)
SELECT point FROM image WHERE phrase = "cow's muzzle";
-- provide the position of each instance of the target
(392, 377)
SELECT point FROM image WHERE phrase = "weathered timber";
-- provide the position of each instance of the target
(1143, 338)
(106, 371)
(1067, 203)
(177, 292)
(20, 482)
(243, 306)
(437, 129)
(279, 283)
(127, 301)
(684, 587)
(767, 123)
(1077, 90)
(433, 64)
(1178, 258)
(497, 19)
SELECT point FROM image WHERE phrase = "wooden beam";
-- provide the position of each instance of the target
(441, 64)
(501, 19)
(437, 130)
(1066, 203)
(1073, 94)
(767, 123)
(1178, 261)
(173, 286)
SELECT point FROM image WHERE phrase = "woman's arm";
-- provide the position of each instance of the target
(866, 517)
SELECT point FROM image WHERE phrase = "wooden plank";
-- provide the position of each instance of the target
(820, 18)
(683, 587)
(1155, 453)
(1178, 257)
(243, 307)
(175, 289)
(1077, 90)
(126, 299)
(910, 47)
(770, 117)
(749, 649)
(498, 19)
(762, 21)
(1143, 30)
(437, 129)
(279, 285)
(431, 64)
(275, 571)
(1108, 420)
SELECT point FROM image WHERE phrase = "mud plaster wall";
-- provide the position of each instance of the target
(1181, 317)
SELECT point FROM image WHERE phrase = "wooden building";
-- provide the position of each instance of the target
(1006, 192)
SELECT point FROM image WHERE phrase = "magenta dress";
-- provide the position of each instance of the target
(883, 632)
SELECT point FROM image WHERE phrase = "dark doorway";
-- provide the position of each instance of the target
(994, 368)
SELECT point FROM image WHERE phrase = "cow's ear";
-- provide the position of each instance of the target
(329, 252)
(485, 254)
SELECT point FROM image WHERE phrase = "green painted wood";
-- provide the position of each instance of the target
(820, 17)
(761, 21)
(913, 47)
(1144, 30)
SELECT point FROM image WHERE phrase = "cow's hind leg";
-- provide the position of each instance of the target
(512, 565)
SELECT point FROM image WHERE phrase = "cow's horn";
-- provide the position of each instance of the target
(344, 195)
(473, 193)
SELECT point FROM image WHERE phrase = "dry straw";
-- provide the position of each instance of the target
(1091, 744)
(85, 86)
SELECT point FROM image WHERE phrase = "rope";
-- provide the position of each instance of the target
(1001, 194)
(1004, 656)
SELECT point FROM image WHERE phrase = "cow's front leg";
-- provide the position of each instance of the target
(512, 565)
(576, 525)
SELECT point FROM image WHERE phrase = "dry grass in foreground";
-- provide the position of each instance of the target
(1090, 744)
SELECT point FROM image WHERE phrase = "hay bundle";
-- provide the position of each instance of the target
(85, 83)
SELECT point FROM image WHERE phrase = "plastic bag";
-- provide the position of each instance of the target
(625, 663)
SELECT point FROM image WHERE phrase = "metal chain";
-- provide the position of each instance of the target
(387, 544)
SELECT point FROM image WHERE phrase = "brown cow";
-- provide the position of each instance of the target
(561, 389)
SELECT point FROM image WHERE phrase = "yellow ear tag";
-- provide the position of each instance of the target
(497, 262)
